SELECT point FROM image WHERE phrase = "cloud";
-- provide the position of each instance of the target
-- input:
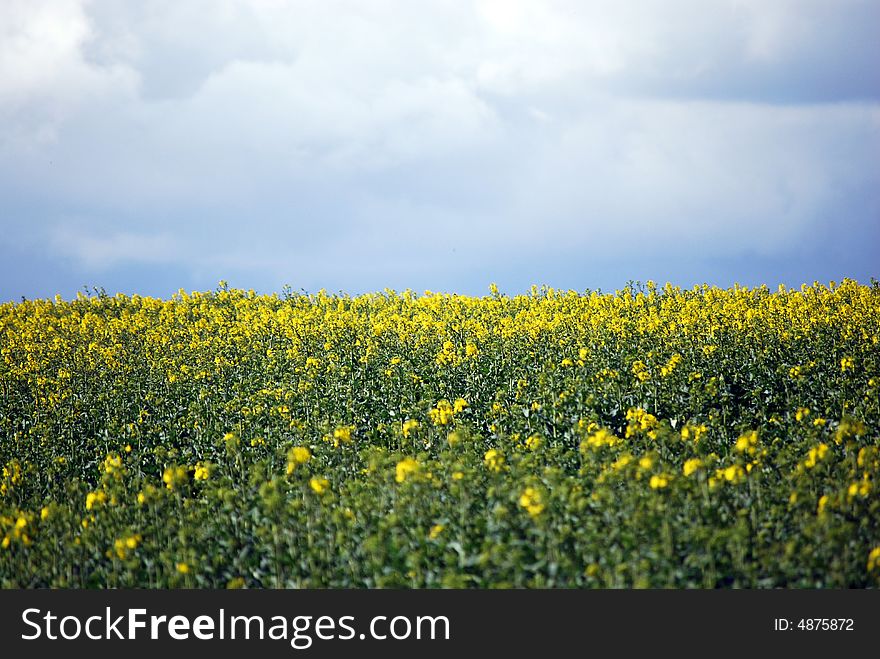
(359, 145)
(104, 250)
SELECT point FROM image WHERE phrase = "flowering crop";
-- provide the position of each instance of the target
(652, 437)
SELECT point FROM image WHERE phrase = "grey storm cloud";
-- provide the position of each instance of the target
(342, 144)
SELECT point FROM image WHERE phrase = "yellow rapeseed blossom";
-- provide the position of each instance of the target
(122, 547)
(860, 488)
(231, 441)
(174, 477)
(671, 365)
(733, 474)
(95, 499)
(319, 485)
(623, 461)
(409, 426)
(849, 429)
(201, 471)
(296, 456)
(113, 465)
(691, 432)
(747, 443)
(640, 371)
(405, 469)
(442, 414)
(494, 460)
(599, 439)
(658, 482)
(435, 531)
(532, 501)
(342, 435)
(691, 466)
(816, 455)
(12, 475)
(641, 422)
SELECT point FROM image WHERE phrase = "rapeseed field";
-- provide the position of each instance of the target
(651, 437)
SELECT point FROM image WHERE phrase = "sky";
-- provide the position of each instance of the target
(358, 145)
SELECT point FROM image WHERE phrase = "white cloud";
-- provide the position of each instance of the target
(102, 249)
(254, 135)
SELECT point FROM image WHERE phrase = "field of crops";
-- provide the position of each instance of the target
(655, 437)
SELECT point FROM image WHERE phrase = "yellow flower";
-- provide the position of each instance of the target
(734, 474)
(457, 475)
(533, 442)
(802, 413)
(847, 364)
(599, 439)
(201, 472)
(849, 428)
(94, 499)
(692, 465)
(860, 488)
(459, 405)
(747, 443)
(641, 422)
(823, 501)
(319, 485)
(112, 464)
(174, 477)
(342, 435)
(874, 559)
(183, 568)
(493, 460)
(406, 468)
(44, 512)
(646, 462)
(123, 546)
(296, 456)
(623, 461)
(231, 441)
(435, 531)
(641, 371)
(409, 426)
(693, 432)
(658, 482)
(442, 414)
(816, 455)
(532, 501)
